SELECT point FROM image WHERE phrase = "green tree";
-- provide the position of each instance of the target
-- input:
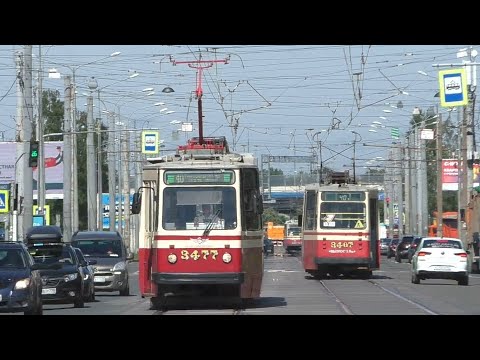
(271, 215)
(53, 115)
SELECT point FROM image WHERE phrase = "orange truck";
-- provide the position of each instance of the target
(275, 233)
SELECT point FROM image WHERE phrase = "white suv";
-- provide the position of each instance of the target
(440, 258)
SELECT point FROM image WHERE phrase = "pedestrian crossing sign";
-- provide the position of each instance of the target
(4, 194)
(359, 225)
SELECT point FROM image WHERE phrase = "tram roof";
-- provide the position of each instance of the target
(342, 187)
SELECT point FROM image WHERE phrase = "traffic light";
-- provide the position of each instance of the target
(33, 156)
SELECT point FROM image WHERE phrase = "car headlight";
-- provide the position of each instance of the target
(70, 277)
(119, 266)
(86, 277)
(22, 284)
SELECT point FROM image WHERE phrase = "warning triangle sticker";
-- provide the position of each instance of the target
(359, 225)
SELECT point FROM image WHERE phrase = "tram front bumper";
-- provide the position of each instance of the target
(342, 261)
(198, 278)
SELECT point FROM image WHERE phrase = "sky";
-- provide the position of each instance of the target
(266, 99)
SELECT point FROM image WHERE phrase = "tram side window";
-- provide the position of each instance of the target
(310, 210)
(251, 197)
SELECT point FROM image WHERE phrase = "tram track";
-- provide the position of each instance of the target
(348, 310)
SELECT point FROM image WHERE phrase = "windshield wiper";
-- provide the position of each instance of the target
(211, 223)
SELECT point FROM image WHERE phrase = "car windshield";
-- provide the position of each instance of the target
(50, 254)
(11, 258)
(386, 241)
(454, 244)
(100, 248)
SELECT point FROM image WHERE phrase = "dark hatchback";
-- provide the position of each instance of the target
(268, 247)
(403, 246)
(392, 247)
(20, 281)
(62, 274)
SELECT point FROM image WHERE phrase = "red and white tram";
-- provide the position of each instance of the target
(183, 248)
(340, 230)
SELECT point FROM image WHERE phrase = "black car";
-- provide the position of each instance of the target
(402, 248)
(268, 247)
(63, 274)
(392, 247)
(89, 285)
(413, 248)
(20, 281)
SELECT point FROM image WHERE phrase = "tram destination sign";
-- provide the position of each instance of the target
(226, 177)
(343, 196)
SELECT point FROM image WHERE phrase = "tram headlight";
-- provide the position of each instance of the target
(172, 258)
(227, 258)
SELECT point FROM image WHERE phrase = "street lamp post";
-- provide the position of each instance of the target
(74, 167)
(354, 167)
(91, 178)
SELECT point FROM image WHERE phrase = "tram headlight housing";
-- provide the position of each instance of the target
(227, 258)
(172, 258)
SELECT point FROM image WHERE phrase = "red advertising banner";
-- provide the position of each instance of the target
(450, 174)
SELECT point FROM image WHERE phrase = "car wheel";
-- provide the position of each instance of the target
(79, 302)
(463, 281)
(415, 279)
(126, 291)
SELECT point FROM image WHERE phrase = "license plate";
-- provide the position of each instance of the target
(49, 291)
(99, 279)
(441, 268)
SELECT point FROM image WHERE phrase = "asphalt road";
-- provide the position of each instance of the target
(288, 290)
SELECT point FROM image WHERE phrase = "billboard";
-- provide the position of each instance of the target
(53, 166)
(450, 175)
(106, 210)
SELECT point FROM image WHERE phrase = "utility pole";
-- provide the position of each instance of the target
(399, 180)
(414, 183)
(99, 175)
(99, 166)
(91, 178)
(41, 145)
(439, 177)
(74, 155)
(125, 155)
(27, 133)
(197, 64)
(19, 138)
(139, 181)
(67, 161)
(408, 187)
(111, 171)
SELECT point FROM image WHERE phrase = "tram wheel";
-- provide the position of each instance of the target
(158, 303)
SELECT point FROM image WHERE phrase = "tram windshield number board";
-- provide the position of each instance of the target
(343, 196)
(199, 178)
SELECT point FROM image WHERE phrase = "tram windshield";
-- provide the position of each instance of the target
(342, 215)
(194, 208)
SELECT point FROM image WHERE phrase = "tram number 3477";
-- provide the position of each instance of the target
(195, 254)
